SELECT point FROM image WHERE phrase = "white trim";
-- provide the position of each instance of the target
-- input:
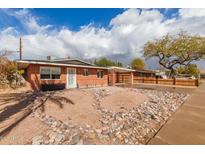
(97, 74)
(83, 72)
(57, 64)
(67, 81)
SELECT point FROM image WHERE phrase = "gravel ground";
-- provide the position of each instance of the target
(132, 124)
(81, 110)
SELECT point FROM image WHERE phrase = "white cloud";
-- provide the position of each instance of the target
(9, 31)
(9, 42)
(33, 26)
(135, 16)
(188, 13)
(124, 39)
(29, 22)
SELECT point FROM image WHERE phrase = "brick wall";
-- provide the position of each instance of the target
(91, 80)
(33, 77)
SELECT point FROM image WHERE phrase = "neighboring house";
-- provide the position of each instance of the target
(202, 74)
(161, 74)
(62, 73)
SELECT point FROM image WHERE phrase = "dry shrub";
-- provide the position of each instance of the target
(8, 71)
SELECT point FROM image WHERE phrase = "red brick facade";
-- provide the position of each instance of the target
(91, 80)
(33, 77)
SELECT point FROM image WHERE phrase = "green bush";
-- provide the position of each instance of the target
(10, 71)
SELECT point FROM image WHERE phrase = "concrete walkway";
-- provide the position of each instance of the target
(187, 125)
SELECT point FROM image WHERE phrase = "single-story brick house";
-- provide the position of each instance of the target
(62, 73)
(202, 74)
(72, 73)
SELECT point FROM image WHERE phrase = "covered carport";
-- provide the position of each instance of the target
(120, 75)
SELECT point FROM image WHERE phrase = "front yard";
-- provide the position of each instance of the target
(105, 115)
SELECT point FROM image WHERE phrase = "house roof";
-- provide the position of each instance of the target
(74, 63)
(70, 62)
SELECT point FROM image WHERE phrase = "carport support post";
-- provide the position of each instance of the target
(113, 77)
(131, 78)
(197, 82)
(174, 81)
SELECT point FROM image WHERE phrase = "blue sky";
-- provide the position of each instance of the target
(73, 18)
(118, 34)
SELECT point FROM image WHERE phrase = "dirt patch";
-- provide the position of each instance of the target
(122, 99)
(9, 96)
(15, 126)
(24, 131)
(15, 90)
(79, 111)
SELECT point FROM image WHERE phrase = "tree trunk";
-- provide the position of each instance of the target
(171, 74)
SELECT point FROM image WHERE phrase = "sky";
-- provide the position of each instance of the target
(118, 34)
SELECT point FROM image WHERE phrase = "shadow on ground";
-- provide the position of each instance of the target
(14, 113)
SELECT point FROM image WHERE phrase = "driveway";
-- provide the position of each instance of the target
(187, 125)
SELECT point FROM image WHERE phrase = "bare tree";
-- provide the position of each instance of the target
(173, 51)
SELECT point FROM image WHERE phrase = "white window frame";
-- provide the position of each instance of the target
(84, 72)
(100, 73)
(46, 67)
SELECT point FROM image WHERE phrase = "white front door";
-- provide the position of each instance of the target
(71, 78)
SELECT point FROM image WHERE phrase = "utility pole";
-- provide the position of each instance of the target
(20, 49)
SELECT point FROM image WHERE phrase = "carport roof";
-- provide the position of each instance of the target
(120, 69)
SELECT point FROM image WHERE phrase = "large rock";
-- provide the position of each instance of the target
(75, 139)
(37, 140)
(59, 138)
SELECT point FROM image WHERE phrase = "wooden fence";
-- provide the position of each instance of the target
(126, 78)
(181, 82)
(123, 78)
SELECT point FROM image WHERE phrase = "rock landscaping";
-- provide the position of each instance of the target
(135, 125)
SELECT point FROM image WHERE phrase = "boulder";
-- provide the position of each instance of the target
(37, 140)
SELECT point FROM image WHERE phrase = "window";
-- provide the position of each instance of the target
(55, 73)
(50, 72)
(85, 72)
(99, 74)
(45, 72)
